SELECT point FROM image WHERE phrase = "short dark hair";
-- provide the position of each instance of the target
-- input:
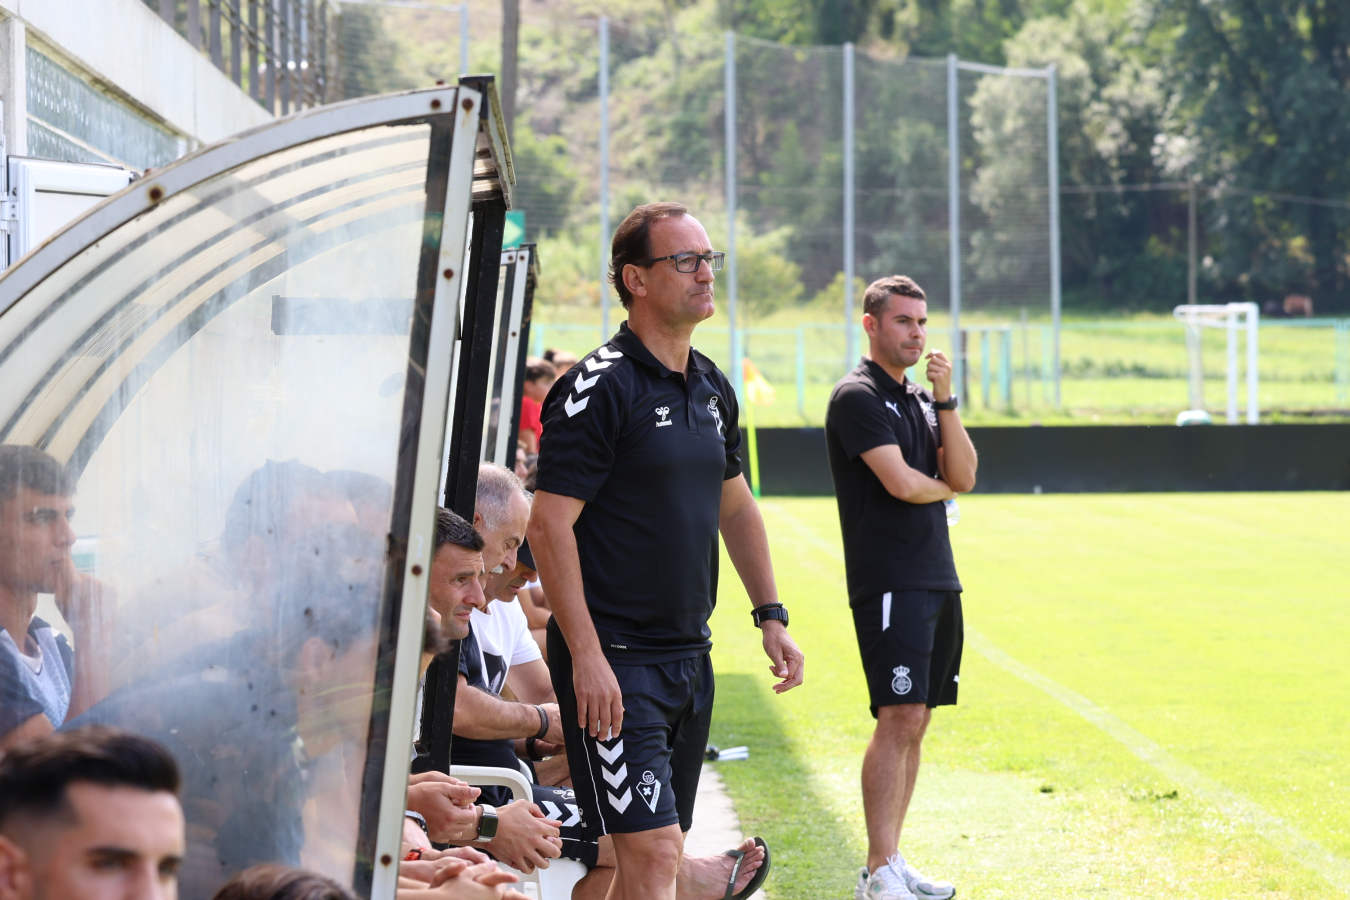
(270, 881)
(34, 776)
(452, 529)
(879, 292)
(632, 242)
(536, 368)
(24, 466)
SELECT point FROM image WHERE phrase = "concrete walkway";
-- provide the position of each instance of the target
(716, 827)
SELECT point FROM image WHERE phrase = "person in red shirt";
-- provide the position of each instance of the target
(539, 377)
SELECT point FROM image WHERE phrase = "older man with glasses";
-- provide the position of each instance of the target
(639, 469)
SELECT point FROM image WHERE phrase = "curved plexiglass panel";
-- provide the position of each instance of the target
(223, 378)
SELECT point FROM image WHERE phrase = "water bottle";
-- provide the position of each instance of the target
(953, 512)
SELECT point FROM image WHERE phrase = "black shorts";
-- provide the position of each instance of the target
(646, 777)
(910, 643)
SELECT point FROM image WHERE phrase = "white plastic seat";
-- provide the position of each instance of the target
(553, 883)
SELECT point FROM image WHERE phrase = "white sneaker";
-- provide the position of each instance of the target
(921, 886)
(860, 890)
(888, 882)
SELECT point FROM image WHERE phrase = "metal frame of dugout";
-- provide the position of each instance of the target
(151, 348)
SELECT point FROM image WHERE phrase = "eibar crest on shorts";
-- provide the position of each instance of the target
(614, 776)
(901, 683)
(649, 789)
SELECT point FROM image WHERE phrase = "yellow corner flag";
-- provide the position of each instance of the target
(757, 387)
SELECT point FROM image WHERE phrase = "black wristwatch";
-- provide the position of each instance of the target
(774, 611)
(487, 823)
(949, 403)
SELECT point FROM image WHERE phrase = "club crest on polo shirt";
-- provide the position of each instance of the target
(929, 414)
(716, 413)
(663, 416)
(901, 683)
(649, 789)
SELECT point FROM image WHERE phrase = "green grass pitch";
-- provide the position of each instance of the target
(1155, 702)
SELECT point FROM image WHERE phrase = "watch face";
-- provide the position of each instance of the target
(487, 826)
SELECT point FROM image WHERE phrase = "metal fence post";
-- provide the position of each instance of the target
(729, 115)
(604, 178)
(801, 373)
(850, 340)
(954, 219)
(464, 39)
(1052, 135)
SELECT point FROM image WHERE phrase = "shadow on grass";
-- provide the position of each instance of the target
(776, 795)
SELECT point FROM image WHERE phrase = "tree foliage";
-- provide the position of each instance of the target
(1260, 90)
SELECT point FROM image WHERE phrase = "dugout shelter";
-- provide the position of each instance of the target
(220, 354)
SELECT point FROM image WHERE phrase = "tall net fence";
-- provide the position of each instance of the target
(613, 113)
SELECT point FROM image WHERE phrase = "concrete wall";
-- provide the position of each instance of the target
(127, 50)
(1085, 459)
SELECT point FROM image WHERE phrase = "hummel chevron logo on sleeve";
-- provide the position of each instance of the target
(583, 383)
(608, 353)
(595, 365)
(575, 406)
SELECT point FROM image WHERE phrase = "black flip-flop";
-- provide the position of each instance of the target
(760, 874)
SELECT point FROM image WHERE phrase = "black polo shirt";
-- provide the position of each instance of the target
(647, 449)
(889, 545)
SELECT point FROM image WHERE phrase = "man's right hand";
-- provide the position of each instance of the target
(447, 805)
(599, 700)
(525, 839)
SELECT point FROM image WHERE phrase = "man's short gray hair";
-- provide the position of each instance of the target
(496, 486)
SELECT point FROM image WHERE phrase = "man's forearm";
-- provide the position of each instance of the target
(958, 459)
(483, 717)
(748, 546)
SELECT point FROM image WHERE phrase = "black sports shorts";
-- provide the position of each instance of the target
(647, 776)
(910, 643)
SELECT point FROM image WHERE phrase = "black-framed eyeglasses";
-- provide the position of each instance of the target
(688, 262)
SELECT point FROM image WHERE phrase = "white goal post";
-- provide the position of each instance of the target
(1232, 317)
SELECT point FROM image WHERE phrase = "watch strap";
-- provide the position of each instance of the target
(775, 611)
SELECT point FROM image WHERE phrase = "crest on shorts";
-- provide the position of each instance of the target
(901, 683)
(649, 789)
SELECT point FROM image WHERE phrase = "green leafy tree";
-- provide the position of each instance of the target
(1258, 87)
(1120, 248)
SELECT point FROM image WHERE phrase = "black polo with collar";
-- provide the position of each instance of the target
(647, 449)
(889, 545)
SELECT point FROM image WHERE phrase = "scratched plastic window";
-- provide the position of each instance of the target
(224, 377)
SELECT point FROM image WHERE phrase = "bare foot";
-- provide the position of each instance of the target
(705, 877)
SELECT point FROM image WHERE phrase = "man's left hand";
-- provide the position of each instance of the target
(788, 662)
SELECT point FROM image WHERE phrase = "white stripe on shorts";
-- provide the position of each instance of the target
(885, 610)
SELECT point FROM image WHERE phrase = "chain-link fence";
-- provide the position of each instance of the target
(825, 167)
